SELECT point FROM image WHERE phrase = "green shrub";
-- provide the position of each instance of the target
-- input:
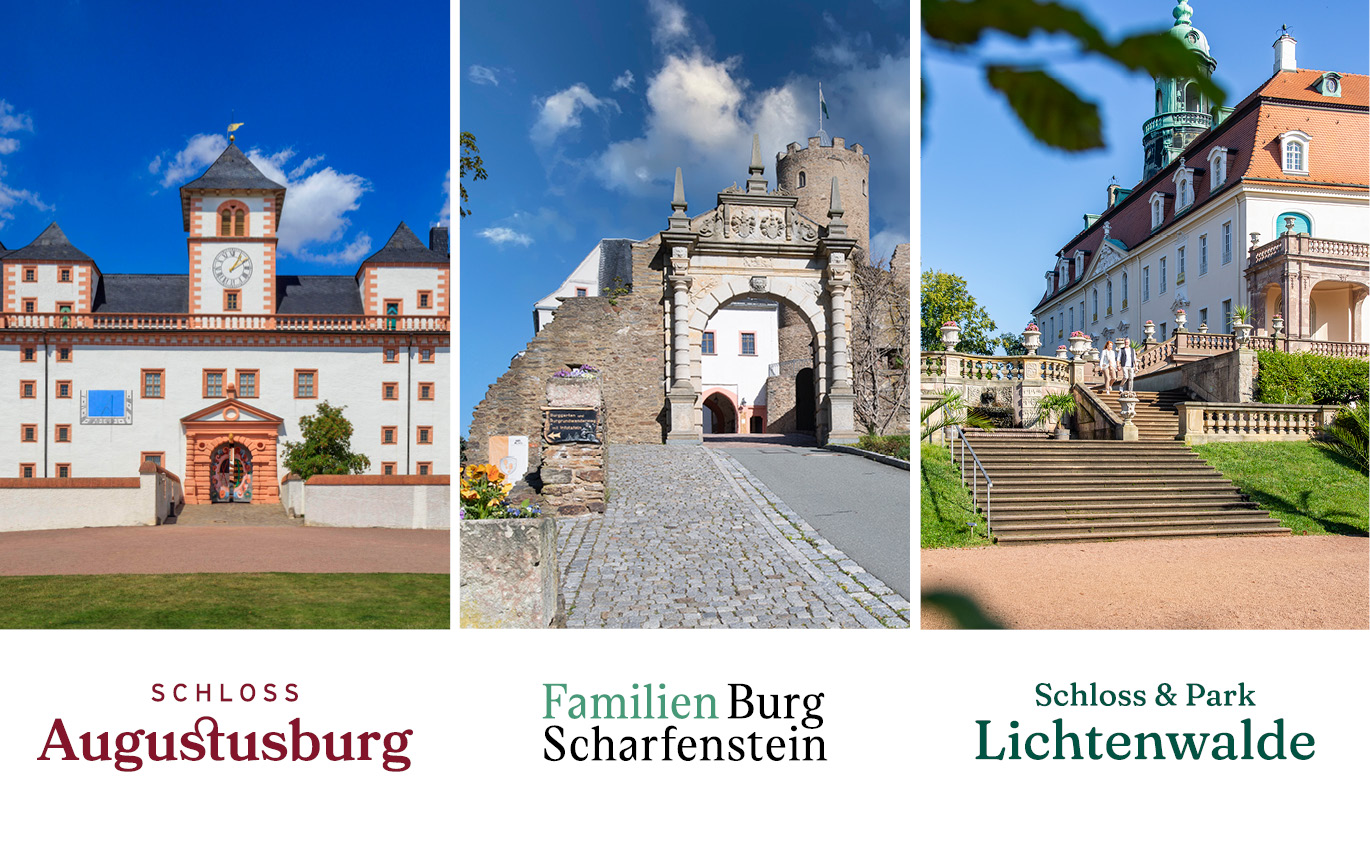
(1306, 378)
(894, 445)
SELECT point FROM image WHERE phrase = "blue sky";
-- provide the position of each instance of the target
(583, 111)
(106, 109)
(996, 205)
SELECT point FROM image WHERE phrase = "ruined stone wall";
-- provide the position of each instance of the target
(626, 340)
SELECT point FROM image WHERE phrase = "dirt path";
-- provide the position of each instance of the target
(1314, 582)
(169, 549)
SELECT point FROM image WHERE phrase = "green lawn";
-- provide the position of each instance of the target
(946, 504)
(227, 601)
(1307, 487)
(893, 445)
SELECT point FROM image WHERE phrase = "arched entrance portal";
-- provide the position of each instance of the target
(719, 417)
(230, 473)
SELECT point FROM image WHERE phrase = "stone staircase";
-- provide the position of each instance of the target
(1055, 491)
(1156, 417)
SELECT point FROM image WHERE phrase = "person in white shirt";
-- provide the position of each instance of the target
(1108, 365)
(1127, 364)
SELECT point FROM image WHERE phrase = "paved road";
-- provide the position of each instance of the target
(858, 504)
(690, 539)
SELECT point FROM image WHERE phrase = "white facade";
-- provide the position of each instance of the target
(728, 371)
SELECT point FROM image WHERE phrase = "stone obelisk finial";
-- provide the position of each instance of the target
(756, 179)
(678, 221)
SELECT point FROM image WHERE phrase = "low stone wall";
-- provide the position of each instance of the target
(1227, 378)
(509, 574)
(292, 495)
(378, 501)
(36, 504)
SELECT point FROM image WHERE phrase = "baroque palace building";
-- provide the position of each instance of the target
(207, 373)
(1263, 204)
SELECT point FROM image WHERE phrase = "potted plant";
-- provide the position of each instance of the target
(1079, 343)
(1032, 337)
(1180, 319)
(1278, 324)
(951, 333)
(1241, 322)
(1061, 352)
(1150, 330)
(1056, 407)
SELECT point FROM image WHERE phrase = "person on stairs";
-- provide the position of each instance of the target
(1108, 364)
(1127, 365)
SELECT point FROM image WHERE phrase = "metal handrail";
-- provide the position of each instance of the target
(974, 483)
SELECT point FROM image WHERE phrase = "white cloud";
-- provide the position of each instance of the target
(190, 161)
(482, 76)
(445, 216)
(623, 81)
(668, 23)
(316, 207)
(304, 167)
(502, 236)
(561, 112)
(11, 197)
(884, 242)
(14, 122)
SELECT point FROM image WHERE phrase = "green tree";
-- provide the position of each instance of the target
(1050, 110)
(945, 297)
(470, 164)
(326, 448)
(1012, 343)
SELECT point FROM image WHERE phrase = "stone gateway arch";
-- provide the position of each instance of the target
(756, 243)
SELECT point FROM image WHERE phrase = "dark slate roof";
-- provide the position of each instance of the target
(143, 293)
(437, 240)
(318, 294)
(232, 170)
(405, 247)
(51, 244)
(615, 261)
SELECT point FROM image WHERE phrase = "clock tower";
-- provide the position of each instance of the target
(231, 214)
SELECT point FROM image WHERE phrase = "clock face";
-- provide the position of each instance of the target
(232, 268)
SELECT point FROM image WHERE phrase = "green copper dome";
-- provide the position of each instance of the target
(1192, 37)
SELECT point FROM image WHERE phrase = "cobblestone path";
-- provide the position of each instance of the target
(691, 539)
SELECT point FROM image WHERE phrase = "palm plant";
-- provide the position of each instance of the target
(1242, 313)
(954, 411)
(1055, 406)
(1349, 435)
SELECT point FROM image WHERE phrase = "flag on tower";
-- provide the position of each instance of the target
(233, 127)
(823, 104)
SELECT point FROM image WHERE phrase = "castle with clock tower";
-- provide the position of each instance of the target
(207, 373)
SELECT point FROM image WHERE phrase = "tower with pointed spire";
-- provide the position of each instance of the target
(1182, 113)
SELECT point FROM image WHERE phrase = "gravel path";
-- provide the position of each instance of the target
(1313, 582)
(169, 549)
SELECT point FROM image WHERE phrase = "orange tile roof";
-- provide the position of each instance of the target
(1299, 85)
(1338, 153)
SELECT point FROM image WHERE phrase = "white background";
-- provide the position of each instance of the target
(899, 721)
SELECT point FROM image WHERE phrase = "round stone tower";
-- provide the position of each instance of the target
(807, 173)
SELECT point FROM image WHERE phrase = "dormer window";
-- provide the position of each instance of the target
(1217, 167)
(1157, 210)
(1184, 187)
(1297, 148)
(1079, 264)
(1329, 84)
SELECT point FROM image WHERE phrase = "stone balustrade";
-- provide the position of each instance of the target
(221, 322)
(1202, 422)
(1016, 382)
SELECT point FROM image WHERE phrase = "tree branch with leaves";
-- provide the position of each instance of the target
(472, 165)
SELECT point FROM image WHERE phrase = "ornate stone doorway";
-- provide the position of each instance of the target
(231, 454)
(230, 473)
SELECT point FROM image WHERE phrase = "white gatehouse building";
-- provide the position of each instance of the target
(207, 372)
